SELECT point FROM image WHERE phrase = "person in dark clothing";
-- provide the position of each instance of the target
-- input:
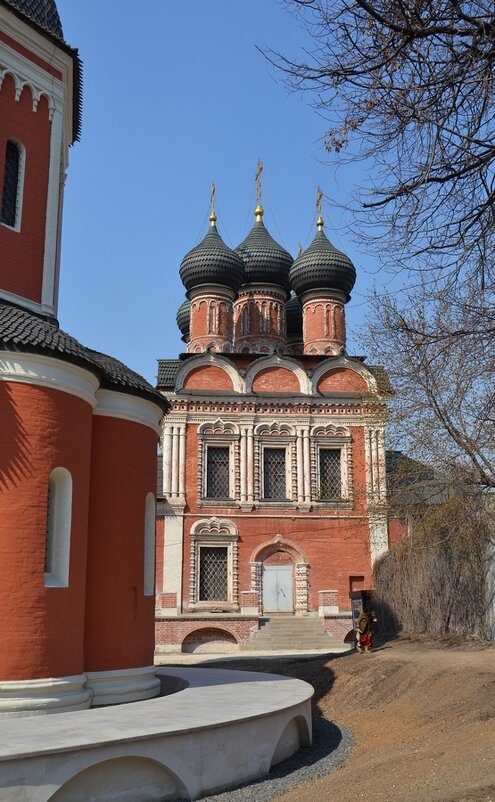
(364, 631)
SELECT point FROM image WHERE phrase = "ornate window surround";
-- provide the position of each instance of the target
(275, 435)
(335, 438)
(221, 533)
(225, 434)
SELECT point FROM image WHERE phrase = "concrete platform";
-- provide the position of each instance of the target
(224, 728)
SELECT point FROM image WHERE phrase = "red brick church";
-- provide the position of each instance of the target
(79, 430)
(272, 493)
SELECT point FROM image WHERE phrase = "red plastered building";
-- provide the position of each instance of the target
(272, 492)
(79, 429)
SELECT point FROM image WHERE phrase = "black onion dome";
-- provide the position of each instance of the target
(183, 317)
(42, 12)
(265, 261)
(294, 317)
(322, 266)
(212, 262)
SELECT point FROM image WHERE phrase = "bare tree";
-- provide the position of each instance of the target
(440, 353)
(409, 84)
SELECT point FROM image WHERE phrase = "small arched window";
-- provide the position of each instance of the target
(12, 184)
(149, 545)
(58, 526)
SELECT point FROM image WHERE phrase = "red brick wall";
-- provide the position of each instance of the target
(22, 252)
(41, 629)
(338, 627)
(397, 531)
(174, 630)
(342, 380)
(276, 380)
(119, 617)
(208, 377)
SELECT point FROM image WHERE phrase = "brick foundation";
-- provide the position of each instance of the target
(171, 632)
(338, 626)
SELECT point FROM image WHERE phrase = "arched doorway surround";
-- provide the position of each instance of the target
(282, 552)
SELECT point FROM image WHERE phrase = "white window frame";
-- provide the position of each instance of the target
(20, 185)
(58, 528)
(272, 446)
(218, 442)
(219, 545)
(220, 534)
(344, 485)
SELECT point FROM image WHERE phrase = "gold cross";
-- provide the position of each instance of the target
(258, 181)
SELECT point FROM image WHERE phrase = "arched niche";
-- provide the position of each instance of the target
(263, 374)
(208, 372)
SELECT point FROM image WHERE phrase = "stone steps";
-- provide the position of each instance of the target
(289, 633)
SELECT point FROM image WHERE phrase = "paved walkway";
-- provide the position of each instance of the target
(196, 658)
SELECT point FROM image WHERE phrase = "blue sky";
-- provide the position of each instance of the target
(175, 95)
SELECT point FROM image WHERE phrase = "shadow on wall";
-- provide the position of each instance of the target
(15, 464)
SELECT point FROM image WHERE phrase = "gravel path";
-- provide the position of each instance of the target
(331, 748)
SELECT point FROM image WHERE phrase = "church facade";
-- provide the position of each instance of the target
(272, 493)
(79, 429)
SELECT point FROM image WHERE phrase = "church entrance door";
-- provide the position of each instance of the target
(278, 591)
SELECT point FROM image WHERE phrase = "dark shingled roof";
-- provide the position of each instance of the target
(294, 318)
(212, 262)
(24, 331)
(322, 266)
(42, 15)
(167, 372)
(265, 261)
(43, 12)
(183, 318)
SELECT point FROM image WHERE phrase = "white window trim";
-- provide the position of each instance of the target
(230, 572)
(344, 483)
(218, 442)
(272, 445)
(217, 533)
(58, 530)
(20, 185)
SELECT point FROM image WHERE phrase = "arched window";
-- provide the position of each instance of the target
(149, 545)
(58, 526)
(12, 184)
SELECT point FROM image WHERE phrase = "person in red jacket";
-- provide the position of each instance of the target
(364, 632)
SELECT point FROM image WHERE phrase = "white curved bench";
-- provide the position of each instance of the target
(224, 728)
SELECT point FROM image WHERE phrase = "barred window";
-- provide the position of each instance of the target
(218, 472)
(213, 575)
(274, 476)
(11, 177)
(330, 474)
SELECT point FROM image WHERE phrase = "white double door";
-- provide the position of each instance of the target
(278, 592)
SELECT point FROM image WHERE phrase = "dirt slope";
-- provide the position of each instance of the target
(423, 716)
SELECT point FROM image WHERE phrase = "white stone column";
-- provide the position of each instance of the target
(167, 460)
(307, 466)
(242, 457)
(250, 464)
(175, 461)
(300, 467)
(182, 462)
(53, 216)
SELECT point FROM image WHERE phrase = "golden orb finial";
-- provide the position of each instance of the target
(259, 212)
(319, 196)
(213, 217)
